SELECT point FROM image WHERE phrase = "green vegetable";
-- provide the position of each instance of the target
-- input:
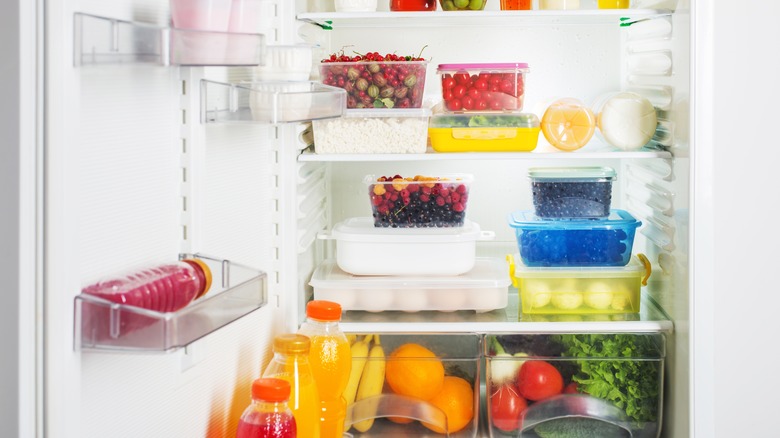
(621, 377)
(579, 427)
(487, 121)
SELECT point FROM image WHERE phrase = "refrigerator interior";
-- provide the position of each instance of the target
(134, 174)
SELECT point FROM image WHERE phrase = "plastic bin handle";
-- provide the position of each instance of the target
(648, 267)
(511, 260)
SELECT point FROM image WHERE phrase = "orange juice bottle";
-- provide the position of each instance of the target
(331, 360)
(291, 363)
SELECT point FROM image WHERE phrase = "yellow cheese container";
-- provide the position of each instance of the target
(484, 132)
(580, 290)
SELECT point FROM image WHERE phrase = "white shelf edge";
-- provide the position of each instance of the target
(435, 156)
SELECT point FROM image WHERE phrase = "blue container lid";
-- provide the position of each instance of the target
(529, 221)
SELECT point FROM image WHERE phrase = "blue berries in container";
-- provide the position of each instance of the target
(574, 242)
(572, 192)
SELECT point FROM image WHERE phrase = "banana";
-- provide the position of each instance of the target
(359, 354)
(351, 337)
(371, 383)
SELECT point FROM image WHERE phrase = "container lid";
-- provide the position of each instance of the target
(462, 178)
(617, 219)
(362, 229)
(637, 266)
(484, 66)
(485, 120)
(323, 310)
(572, 173)
(292, 343)
(487, 273)
(270, 389)
(360, 113)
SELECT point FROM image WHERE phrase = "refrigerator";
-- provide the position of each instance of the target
(126, 145)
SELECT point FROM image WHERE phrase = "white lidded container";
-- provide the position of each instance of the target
(373, 131)
(483, 288)
(363, 249)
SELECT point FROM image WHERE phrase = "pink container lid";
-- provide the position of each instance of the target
(488, 66)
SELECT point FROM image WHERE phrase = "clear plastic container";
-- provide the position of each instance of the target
(462, 5)
(609, 367)
(212, 15)
(419, 201)
(363, 249)
(356, 5)
(568, 124)
(483, 288)
(378, 84)
(412, 5)
(331, 361)
(291, 363)
(373, 131)
(580, 291)
(488, 132)
(574, 242)
(285, 63)
(572, 192)
(269, 415)
(625, 120)
(559, 4)
(483, 86)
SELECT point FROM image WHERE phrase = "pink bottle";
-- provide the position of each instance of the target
(269, 415)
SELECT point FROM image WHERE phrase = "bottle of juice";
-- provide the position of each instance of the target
(331, 360)
(291, 363)
(412, 5)
(515, 5)
(269, 415)
(613, 4)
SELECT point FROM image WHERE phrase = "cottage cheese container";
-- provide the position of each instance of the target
(373, 131)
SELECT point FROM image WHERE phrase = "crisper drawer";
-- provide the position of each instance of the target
(566, 385)
(416, 385)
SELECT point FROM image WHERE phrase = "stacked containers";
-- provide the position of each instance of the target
(575, 250)
(482, 109)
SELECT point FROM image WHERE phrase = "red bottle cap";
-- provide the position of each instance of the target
(323, 310)
(270, 389)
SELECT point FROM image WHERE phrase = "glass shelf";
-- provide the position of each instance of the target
(101, 40)
(617, 17)
(270, 102)
(103, 325)
(650, 319)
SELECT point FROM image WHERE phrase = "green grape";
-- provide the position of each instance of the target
(448, 5)
(476, 5)
(460, 4)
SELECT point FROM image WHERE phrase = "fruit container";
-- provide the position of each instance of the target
(572, 192)
(374, 131)
(356, 5)
(462, 5)
(483, 87)
(574, 242)
(559, 4)
(483, 288)
(412, 5)
(430, 385)
(419, 202)
(363, 249)
(587, 379)
(488, 132)
(385, 84)
(580, 291)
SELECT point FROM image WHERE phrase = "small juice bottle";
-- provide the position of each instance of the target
(269, 415)
(515, 5)
(613, 4)
(291, 363)
(331, 360)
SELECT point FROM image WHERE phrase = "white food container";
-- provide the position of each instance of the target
(285, 63)
(483, 288)
(363, 249)
(356, 5)
(374, 131)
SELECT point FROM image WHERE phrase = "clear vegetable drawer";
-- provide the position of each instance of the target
(575, 385)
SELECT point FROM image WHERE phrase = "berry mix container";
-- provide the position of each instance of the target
(486, 132)
(483, 288)
(373, 131)
(572, 192)
(378, 84)
(419, 202)
(363, 249)
(483, 87)
(595, 384)
(574, 242)
(580, 291)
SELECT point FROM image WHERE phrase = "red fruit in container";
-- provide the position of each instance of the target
(496, 86)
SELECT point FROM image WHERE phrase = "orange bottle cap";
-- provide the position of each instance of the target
(323, 310)
(270, 389)
(197, 263)
(292, 343)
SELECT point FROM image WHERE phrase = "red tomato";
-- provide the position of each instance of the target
(508, 87)
(458, 91)
(474, 93)
(447, 94)
(462, 78)
(571, 388)
(506, 405)
(468, 103)
(447, 82)
(538, 380)
(454, 104)
(481, 105)
(495, 104)
(481, 84)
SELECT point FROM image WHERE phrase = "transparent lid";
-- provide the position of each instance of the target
(572, 173)
(362, 229)
(617, 219)
(485, 120)
(484, 66)
(360, 113)
(487, 273)
(463, 178)
(637, 266)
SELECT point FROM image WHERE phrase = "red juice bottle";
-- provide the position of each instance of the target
(269, 415)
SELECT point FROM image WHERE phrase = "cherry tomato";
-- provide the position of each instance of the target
(481, 104)
(506, 405)
(495, 104)
(481, 84)
(468, 102)
(447, 94)
(538, 380)
(508, 87)
(462, 78)
(458, 91)
(447, 82)
(454, 104)
(571, 388)
(474, 93)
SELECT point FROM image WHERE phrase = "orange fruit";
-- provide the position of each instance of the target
(456, 400)
(414, 371)
(568, 124)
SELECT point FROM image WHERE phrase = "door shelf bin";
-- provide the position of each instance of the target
(101, 40)
(270, 102)
(237, 290)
